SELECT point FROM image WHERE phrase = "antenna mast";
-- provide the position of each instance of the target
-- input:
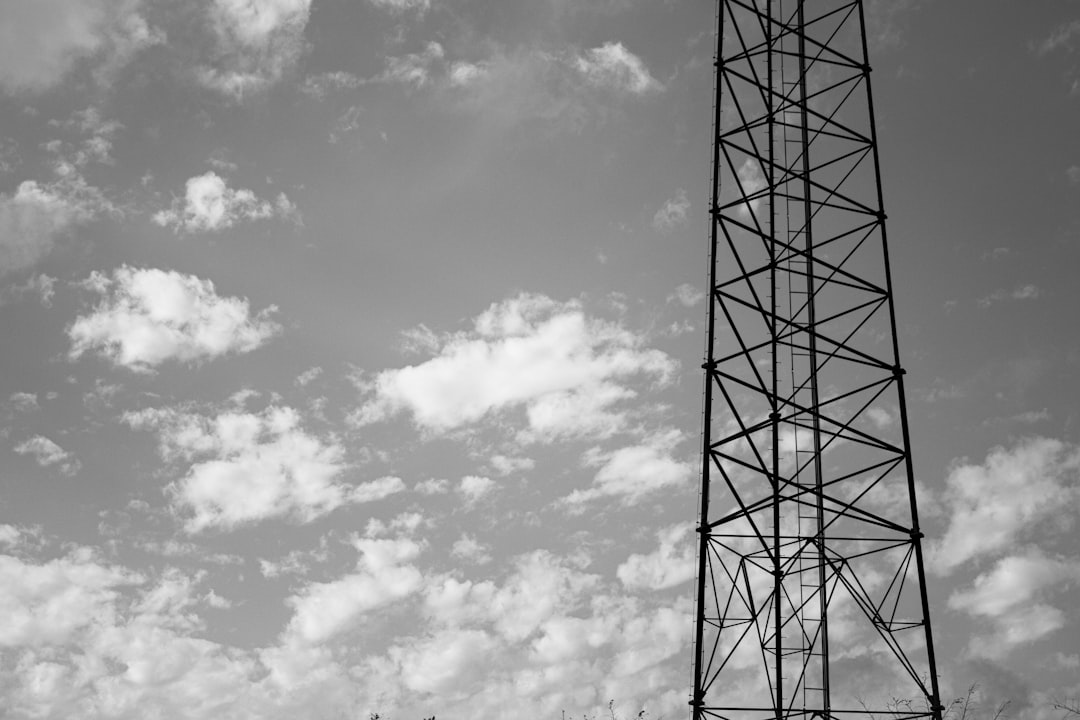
(811, 595)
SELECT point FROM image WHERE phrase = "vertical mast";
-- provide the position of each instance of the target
(808, 502)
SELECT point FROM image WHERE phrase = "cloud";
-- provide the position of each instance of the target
(405, 524)
(671, 564)
(321, 85)
(308, 376)
(1020, 292)
(210, 205)
(614, 67)
(474, 487)
(399, 6)
(463, 74)
(687, 295)
(246, 468)
(540, 586)
(450, 660)
(1063, 42)
(468, 548)
(41, 285)
(48, 453)
(24, 402)
(634, 472)
(673, 213)
(85, 639)
(44, 40)
(564, 369)
(1062, 39)
(433, 486)
(1009, 596)
(148, 316)
(505, 465)
(258, 42)
(1015, 491)
(566, 88)
(886, 22)
(751, 181)
(47, 604)
(322, 611)
(543, 635)
(95, 146)
(36, 215)
(414, 69)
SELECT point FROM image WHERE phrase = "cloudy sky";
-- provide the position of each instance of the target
(351, 350)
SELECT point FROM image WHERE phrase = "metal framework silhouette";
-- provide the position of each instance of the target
(811, 596)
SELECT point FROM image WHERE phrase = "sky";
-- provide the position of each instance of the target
(352, 349)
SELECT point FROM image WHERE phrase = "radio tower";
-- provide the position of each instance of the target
(811, 596)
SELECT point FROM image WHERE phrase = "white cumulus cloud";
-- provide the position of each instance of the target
(384, 575)
(634, 472)
(45, 604)
(247, 467)
(149, 316)
(1011, 596)
(474, 487)
(1006, 498)
(210, 205)
(671, 564)
(567, 371)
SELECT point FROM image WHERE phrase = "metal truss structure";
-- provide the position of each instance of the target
(811, 596)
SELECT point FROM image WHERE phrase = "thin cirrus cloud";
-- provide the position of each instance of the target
(210, 205)
(38, 214)
(147, 317)
(244, 468)
(45, 40)
(566, 370)
(399, 6)
(48, 453)
(253, 44)
(672, 213)
(566, 87)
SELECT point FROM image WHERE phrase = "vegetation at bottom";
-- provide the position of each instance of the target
(969, 706)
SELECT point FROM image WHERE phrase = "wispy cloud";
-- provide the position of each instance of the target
(1028, 291)
(46, 40)
(47, 453)
(258, 42)
(672, 213)
(36, 215)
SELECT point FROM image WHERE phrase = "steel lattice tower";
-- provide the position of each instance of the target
(811, 597)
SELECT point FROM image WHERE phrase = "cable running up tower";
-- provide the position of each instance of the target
(811, 596)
